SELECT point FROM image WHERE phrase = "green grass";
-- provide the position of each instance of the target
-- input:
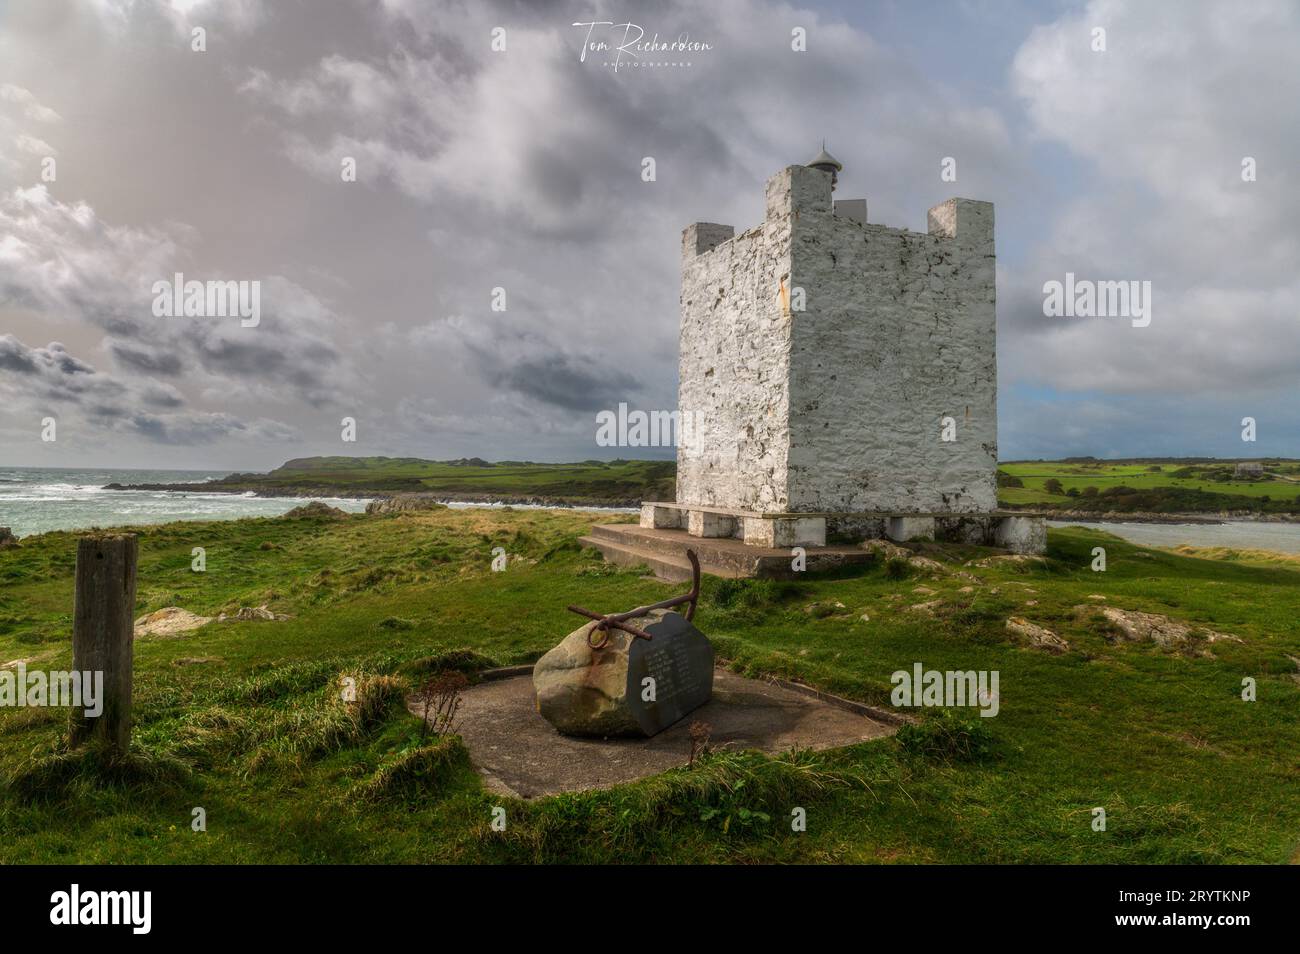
(1159, 486)
(594, 481)
(245, 719)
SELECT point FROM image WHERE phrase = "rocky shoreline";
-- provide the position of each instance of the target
(353, 493)
(547, 500)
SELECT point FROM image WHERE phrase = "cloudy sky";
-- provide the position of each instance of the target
(520, 168)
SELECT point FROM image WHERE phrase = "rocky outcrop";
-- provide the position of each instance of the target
(7, 539)
(892, 551)
(1007, 559)
(405, 503)
(169, 621)
(317, 509)
(926, 609)
(1136, 627)
(1037, 636)
(251, 614)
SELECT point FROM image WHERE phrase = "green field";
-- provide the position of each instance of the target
(244, 719)
(1158, 486)
(622, 482)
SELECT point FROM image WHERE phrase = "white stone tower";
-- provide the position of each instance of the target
(839, 375)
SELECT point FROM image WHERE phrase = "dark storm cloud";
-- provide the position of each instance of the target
(55, 382)
(163, 362)
(15, 356)
(304, 366)
(566, 382)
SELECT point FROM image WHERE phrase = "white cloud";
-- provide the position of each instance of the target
(1162, 120)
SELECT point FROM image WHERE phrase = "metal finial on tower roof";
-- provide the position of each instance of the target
(827, 163)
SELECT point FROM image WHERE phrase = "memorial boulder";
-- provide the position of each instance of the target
(611, 682)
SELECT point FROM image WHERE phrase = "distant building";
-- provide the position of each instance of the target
(1251, 468)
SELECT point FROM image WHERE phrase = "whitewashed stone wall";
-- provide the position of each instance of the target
(838, 408)
(734, 369)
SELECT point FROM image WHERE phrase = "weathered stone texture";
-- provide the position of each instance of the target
(1026, 534)
(839, 407)
(734, 373)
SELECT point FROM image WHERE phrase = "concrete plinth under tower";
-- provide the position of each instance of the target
(763, 545)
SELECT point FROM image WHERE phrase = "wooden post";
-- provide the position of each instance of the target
(103, 633)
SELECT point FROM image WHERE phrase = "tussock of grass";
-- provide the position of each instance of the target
(1167, 833)
(21, 720)
(728, 793)
(415, 773)
(749, 594)
(377, 696)
(747, 601)
(897, 568)
(948, 736)
(65, 774)
(281, 682)
(460, 660)
(298, 730)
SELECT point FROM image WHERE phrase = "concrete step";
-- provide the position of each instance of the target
(674, 569)
(719, 556)
(729, 558)
(672, 543)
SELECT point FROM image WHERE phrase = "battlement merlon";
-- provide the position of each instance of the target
(968, 221)
(798, 190)
(701, 237)
(803, 190)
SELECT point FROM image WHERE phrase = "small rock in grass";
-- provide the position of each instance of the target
(1038, 636)
(823, 608)
(251, 614)
(169, 621)
(1153, 628)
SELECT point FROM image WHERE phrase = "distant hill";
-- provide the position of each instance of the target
(594, 483)
(1153, 485)
(1076, 485)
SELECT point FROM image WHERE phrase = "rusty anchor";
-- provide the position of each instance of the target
(619, 620)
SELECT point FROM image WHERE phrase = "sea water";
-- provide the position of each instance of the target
(36, 500)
